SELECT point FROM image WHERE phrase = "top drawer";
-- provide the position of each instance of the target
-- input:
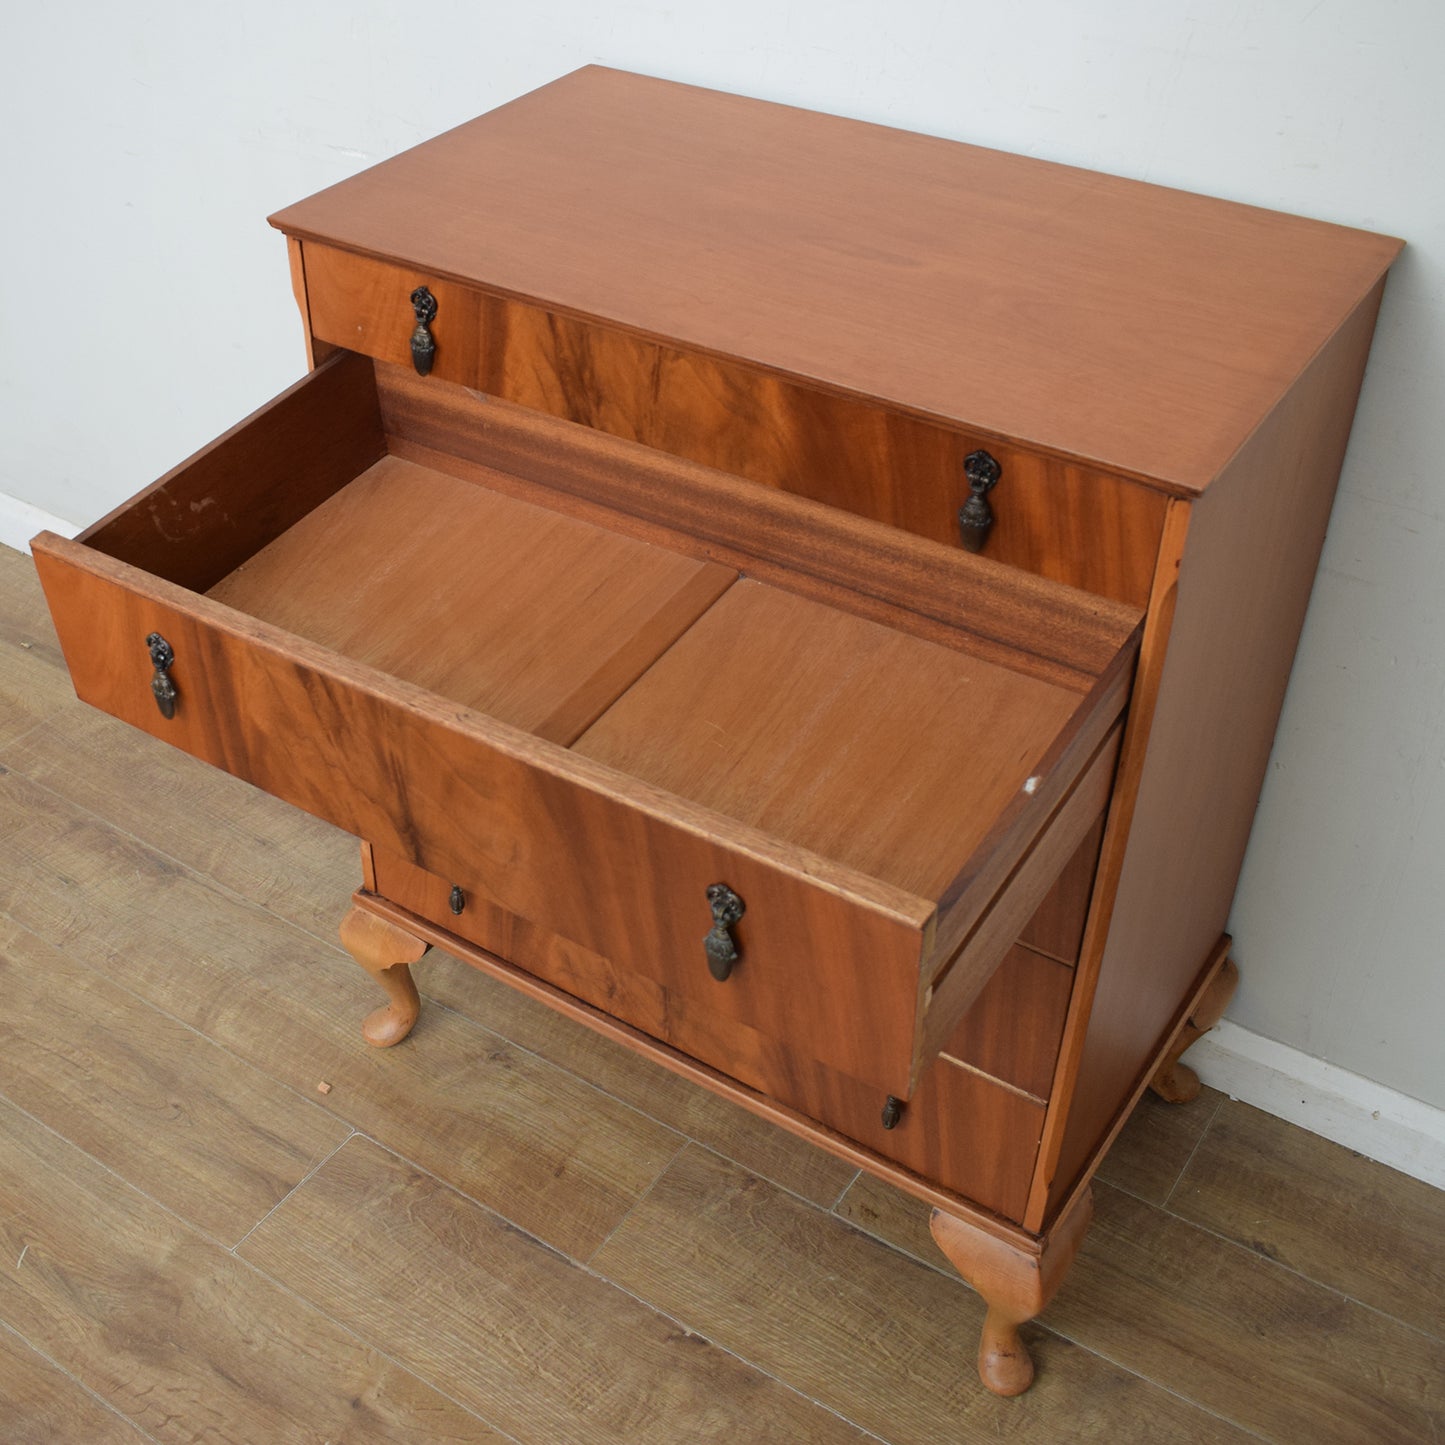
(1055, 518)
(598, 724)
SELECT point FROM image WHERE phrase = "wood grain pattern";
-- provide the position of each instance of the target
(546, 1350)
(1054, 517)
(723, 1126)
(108, 1283)
(1133, 750)
(1057, 927)
(1267, 1347)
(288, 1005)
(1010, 1032)
(782, 714)
(24, 618)
(205, 517)
(33, 683)
(1145, 329)
(30, 692)
(835, 1314)
(1012, 1029)
(1321, 1210)
(252, 845)
(1193, 1311)
(1253, 546)
(101, 1067)
(772, 535)
(990, 1157)
(233, 968)
(1148, 1157)
(471, 800)
(958, 982)
(44, 1405)
(543, 621)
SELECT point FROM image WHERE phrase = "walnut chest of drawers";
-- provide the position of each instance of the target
(812, 601)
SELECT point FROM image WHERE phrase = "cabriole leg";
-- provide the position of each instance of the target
(1016, 1282)
(1175, 1082)
(386, 953)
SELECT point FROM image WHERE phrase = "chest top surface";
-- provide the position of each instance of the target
(1143, 329)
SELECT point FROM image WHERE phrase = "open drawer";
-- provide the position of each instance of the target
(589, 684)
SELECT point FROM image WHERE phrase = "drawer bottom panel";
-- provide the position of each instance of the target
(972, 1133)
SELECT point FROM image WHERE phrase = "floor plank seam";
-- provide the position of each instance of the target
(842, 1193)
(300, 1183)
(1159, 1385)
(15, 742)
(206, 880)
(141, 1433)
(1334, 1289)
(758, 1369)
(642, 1197)
(1198, 1144)
(573, 1073)
(293, 1294)
(597, 1274)
(299, 1094)
(200, 1233)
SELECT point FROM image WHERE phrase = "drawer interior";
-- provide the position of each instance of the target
(535, 618)
(590, 682)
(890, 753)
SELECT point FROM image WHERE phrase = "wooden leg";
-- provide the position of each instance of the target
(1016, 1282)
(386, 953)
(1178, 1083)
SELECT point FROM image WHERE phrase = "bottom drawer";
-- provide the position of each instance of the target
(974, 1122)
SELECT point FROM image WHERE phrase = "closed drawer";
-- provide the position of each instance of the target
(1054, 517)
(972, 1128)
(591, 730)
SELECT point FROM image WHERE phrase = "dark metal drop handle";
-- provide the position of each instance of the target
(720, 946)
(423, 347)
(163, 689)
(975, 516)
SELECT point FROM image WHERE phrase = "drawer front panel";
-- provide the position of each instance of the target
(1053, 517)
(622, 872)
(968, 1132)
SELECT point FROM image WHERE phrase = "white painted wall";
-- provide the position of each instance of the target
(146, 306)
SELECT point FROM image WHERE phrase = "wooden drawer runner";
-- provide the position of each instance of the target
(1053, 517)
(535, 708)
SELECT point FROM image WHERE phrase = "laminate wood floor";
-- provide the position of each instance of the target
(509, 1229)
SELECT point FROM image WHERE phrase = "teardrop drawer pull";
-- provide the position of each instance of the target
(163, 689)
(720, 946)
(975, 516)
(423, 347)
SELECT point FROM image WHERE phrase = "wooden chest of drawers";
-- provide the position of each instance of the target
(810, 600)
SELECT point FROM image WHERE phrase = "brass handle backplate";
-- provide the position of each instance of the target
(162, 688)
(720, 946)
(975, 516)
(423, 347)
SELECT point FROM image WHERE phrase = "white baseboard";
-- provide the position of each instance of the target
(20, 521)
(1369, 1118)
